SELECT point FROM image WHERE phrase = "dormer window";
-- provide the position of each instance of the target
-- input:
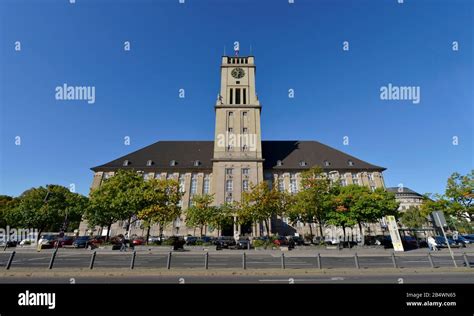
(326, 163)
(173, 163)
(149, 163)
(196, 163)
(126, 163)
(279, 163)
(302, 163)
(350, 162)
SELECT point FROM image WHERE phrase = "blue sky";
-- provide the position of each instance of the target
(176, 46)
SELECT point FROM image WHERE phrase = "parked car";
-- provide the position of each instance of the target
(191, 240)
(409, 243)
(139, 241)
(8, 243)
(154, 239)
(318, 240)
(461, 241)
(298, 240)
(284, 242)
(65, 241)
(177, 242)
(47, 241)
(243, 243)
(81, 242)
(206, 239)
(225, 242)
(441, 242)
(469, 237)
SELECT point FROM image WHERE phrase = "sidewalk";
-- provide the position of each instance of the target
(302, 251)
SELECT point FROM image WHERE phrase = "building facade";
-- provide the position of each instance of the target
(236, 158)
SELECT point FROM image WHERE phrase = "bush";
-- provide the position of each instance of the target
(264, 243)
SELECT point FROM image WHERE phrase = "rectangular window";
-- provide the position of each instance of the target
(355, 178)
(244, 96)
(371, 177)
(228, 199)
(245, 171)
(231, 96)
(293, 185)
(193, 184)
(245, 130)
(244, 114)
(245, 185)
(237, 96)
(206, 185)
(343, 182)
(181, 184)
(229, 186)
(281, 184)
(228, 171)
(372, 188)
(230, 129)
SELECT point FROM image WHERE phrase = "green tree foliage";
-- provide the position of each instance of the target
(413, 217)
(46, 208)
(118, 198)
(458, 199)
(161, 203)
(222, 216)
(260, 204)
(314, 201)
(460, 194)
(201, 212)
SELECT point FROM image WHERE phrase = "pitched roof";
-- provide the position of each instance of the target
(290, 153)
(405, 191)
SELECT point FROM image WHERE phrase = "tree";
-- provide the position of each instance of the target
(460, 194)
(260, 204)
(161, 203)
(313, 202)
(118, 198)
(222, 216)
(5, 205)
(413, 217)
(47, 208)
(201, 212)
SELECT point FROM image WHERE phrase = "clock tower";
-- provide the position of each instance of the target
(237, 159)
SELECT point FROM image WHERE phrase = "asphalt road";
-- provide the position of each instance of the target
(437, 278)
(81, 259)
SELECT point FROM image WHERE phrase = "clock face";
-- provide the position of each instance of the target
(237, 73)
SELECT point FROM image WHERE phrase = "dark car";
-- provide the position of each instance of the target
(441, 242)
(409, 243)
(81, 242)
(461, 241)
(177, 242)
(284, 242)
(64, 241)
(225, 242)
(243, 243)
(191, 241)
(48, 241)
(469, 237)
(8, 243)
(298, 240)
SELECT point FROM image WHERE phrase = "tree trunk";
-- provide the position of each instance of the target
(361, 233)
(310, 231)
(148, 233)
(320, 228)
(108, 232)
(161, 233)
(344, 234)
(266, 227)
(201, 228)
